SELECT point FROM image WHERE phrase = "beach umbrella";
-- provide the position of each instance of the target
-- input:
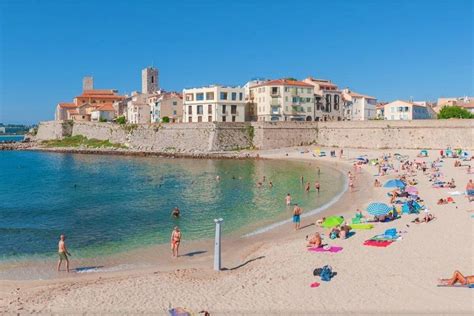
(378, 209)
(332, 221)
(412, 190)
(394, 183)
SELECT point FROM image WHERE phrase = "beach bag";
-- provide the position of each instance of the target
(326, 273)
(317, 271)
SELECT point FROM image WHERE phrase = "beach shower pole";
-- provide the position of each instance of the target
(217, 245)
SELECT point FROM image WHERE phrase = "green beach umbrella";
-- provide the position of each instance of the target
(332, 221)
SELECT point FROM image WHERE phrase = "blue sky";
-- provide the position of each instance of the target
(388, 49)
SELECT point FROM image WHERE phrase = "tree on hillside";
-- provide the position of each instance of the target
(448, 112)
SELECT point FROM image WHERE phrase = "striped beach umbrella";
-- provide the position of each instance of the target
(378, 209)
(332, 221)
(394, 183)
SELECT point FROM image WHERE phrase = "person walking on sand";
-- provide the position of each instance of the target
(175, 240)
(341, 152)
(288, 199)
(296, 216)
(63, 253)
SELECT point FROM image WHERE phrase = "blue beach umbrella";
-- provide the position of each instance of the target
(394, 183)
(378, 209)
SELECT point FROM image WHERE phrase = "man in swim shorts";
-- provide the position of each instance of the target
(63, 253)
(296, 216)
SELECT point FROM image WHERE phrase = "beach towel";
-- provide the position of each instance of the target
(467, 286)
(455, 193)
(362, 226)
(314, 284)
(374, 243)
(332, 249)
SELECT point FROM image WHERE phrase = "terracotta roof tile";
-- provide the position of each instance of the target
(105, 107)
(66, 105)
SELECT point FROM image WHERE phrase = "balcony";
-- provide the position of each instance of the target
(275, 111)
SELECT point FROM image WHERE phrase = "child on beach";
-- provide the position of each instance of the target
(288, 199)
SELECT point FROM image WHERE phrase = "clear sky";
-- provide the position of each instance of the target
(389, 49)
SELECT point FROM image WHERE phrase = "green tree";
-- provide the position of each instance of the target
(121, 120)
(165, 119)
(101, 119)
(448, 112)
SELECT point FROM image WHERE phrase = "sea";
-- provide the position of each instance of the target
(109, 204)
(11, 138)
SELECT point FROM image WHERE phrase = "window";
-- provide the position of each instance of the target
(199, 118)
(174, 113)
(286, 108)
(199, 109)
(233, 109)
(199, 96)
(175, 103)
(286, 99)
(336, 102)
(224, 109)
(223, 95)
(274, 90)
(295, 99)
(233, 118)
(190, 110)
(209, 95)
(234, 96)
(223, 118)
(308, 109)
(190, 119)
(189, 97)
(287, 89)
(241, 96)
(209, 109)
(209, 118)
(328, 103)
(308, 90)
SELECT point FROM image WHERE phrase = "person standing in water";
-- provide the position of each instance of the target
(175, 241)
(302, 180)
(63, 253)
(288, 199)
(317, 186)
(296, 216)
(308, 187)
(175, 212)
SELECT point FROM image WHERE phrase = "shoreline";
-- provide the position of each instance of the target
(122, 258)
(261, 272)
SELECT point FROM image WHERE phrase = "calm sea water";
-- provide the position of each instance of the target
(107, 204)
(11, 138)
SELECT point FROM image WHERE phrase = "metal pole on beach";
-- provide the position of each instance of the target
(217, 245)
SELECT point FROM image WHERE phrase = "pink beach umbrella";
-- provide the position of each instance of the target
(412, 190)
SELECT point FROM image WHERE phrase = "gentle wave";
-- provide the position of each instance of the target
(306, 214)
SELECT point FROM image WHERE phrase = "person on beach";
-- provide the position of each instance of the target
(470, 190)
(317, 186)
(315, 241)
(320, 221)
(302, 180)
(63, 252)
(218, 178)
(341, 152)
(296, 216)
(351, 185)
(377, 183)
(270, 184)
(458, 277)
(288, 199)
(319, 171)
(308, 187)
(175, 212)
(175, 241)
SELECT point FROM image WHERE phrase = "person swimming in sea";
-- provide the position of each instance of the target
(175, 212)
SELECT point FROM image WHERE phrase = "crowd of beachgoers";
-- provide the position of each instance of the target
(402, 232)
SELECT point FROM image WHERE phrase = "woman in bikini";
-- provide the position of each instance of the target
(175, 240)
(458, 277)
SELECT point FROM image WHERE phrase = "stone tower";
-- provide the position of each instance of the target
(87, 83)
(150, 81)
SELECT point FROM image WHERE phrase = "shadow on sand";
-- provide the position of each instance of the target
(87, 269)
(194, 253)
(243, 264)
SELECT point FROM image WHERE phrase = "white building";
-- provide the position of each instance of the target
(328, 103)
(282, 100)
(105, 112)
(403, 110)
(358, 107)
(214, 104)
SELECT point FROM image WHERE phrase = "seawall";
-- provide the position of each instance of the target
(214, 137)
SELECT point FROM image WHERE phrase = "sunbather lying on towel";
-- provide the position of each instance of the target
(315, 241)
(428, 218)
(458, 277)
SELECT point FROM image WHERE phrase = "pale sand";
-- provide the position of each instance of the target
(277, 270)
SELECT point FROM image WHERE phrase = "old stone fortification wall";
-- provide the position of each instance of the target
(270, 135)
(209, 137)
(53, 130)
(430, 134)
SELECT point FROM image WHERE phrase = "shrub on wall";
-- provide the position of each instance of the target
(165, 119)
(121, 120)
(448, 112)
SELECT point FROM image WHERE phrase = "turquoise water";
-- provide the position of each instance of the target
(107, 204)
(11, 138)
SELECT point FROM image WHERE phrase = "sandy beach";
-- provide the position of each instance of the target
(271, 272)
